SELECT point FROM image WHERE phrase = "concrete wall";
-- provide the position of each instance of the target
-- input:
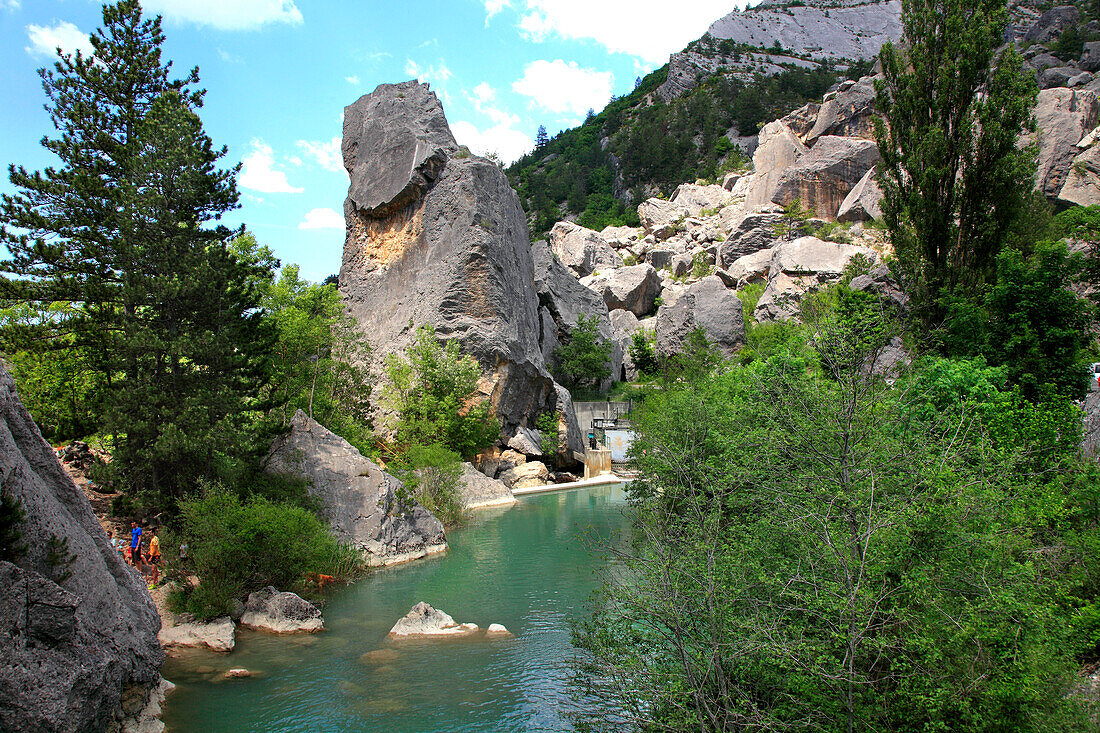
(587, 411)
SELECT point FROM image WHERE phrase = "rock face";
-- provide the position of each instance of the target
(358, 498)
(779, 149)
(823, 178)
(423, 620)
(799, 266)
(437, 236)
(1063, 117)
(863, 202)
(707, 303)
(218, 635)
(582, 250)
(77, 653)
(478, 490)
(1082, 186)
(281, 613)
(848, 113)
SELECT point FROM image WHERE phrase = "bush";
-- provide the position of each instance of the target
(237, 546)
(431, 474)
(643, 353)
(549, 425)
(583, 361)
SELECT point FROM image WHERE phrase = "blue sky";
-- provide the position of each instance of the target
(280, 72)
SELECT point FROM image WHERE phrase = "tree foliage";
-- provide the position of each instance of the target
(954, 180)
(583, 361)
(432, 392)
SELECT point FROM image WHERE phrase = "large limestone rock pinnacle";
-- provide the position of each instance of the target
(78, 645)
(438, 236)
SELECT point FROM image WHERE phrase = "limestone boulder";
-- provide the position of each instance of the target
(881, 282)
(358, 499)
(751, 268)
(620, 237)
(782, 297)
(824, 177)
(424, 621)
(660, 217)
(813, 256)
(889, 362)
(864, 202)
(779, 150)
(751, 234)
(281, 613)
(526, 475)
(1043, 61)
(1090, 57)
(660, 259)
(1062, 117)
(478, 490)
(455, 253)
(1082, 184)
(1057, 76)
(696, 199)
(849, 113)
(582, 250)
(632, 288)
(1050, 24)
(709, 304)
(526, 441)
(219, 635)
(78, 644)
(624, 324)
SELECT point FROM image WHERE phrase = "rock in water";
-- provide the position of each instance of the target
(478, 490)
(423, 620)
(358, 498)
(219, 635)
(435, 235)
(78, 645)
(280, 613)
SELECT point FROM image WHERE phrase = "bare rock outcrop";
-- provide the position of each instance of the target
(1063, 117)
(799, 266)
(218, 635)
(78, 644)
(632, 288)
(582, 250)
(824, 177)
(848, 112)
(863, 202)
(779, 150)
(358, 498)
(1082, 185)
(435, 235)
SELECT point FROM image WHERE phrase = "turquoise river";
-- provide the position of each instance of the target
(532, 567)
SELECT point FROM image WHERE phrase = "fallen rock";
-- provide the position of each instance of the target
(526, 475)
(751, 268)
(1082, 184)
(707, 303)
(1063, 117)
(1090, 57)
(889, 361)
(582, 250)
(1090, 440)
(281, 613)
(882, 283)
(863, 203)
(822, 178)
(443, 241)
(422, 620)
(78, 644)
(358, 499)
(779, 149)
(849, 113)
(813, 256)
(631, 288)
(478, 490)
(660, 217)
(754, 232)
(526, 441)
(1057, 76)
(1051, 23)
(695, 199)
(218, 635)
(497, 630)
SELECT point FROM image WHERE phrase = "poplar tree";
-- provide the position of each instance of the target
(125, 229)
(955, 181)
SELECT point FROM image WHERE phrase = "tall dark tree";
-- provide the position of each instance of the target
(541, 138)
(125, 230)
(955, 181)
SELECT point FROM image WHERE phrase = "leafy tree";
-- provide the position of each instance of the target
(583, 361)
(954, 180)
(122, 231)
(697, 358)
(643, 354)
(433, 394)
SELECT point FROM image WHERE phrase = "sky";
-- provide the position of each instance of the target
(278, 74)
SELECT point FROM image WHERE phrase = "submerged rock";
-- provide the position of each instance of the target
(358, 499)
(423, 620)
(281, 613)
(78, 644)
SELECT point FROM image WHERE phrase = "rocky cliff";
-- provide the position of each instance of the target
(78, 640)
(435, 235)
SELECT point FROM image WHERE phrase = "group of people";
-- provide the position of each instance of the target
(143, 555)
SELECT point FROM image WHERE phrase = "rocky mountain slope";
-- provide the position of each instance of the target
(78, 630)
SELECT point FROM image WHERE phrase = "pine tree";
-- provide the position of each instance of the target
(955, 182)
(125, 230)
(541, 138)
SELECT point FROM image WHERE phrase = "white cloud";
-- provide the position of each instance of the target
(564, 87)
(322, 219)
(643, 28)
(492, 7)
(430, 73)
(501, 139)
(325, 154)
(64, 35)
(10, 4)
(294, 160)
(258, 171)
(353, 80)
(227, 15)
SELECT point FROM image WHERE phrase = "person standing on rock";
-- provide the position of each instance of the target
(154, 558)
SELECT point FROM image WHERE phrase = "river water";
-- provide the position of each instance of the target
(532, 567)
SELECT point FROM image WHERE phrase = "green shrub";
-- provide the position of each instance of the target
(584, 360)
(549, 425)
(431, 475)
(699, 266)
(643, 353)
(237, 546)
